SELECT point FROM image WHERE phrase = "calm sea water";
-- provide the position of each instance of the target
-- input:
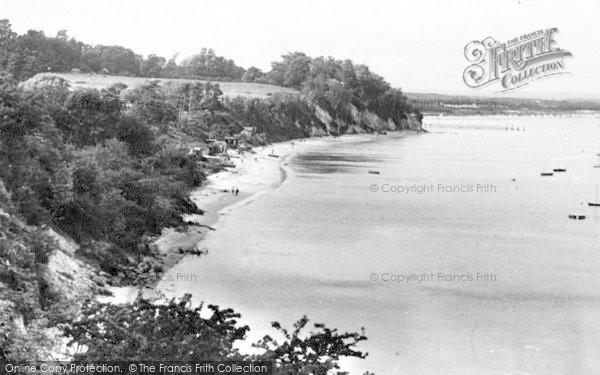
(503, 282)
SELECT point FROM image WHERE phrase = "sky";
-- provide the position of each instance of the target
(417, 46)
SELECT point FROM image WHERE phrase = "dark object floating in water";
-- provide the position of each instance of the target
(273, 155)
(196, 251)
(374, 172)
(597, 203)
(546, 174)
(560, 170)
(577, 217)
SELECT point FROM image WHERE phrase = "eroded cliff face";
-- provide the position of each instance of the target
(38, 271)
(411, 123)
(362, 122)
(66, 276)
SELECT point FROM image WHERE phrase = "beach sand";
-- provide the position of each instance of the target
(255, 174)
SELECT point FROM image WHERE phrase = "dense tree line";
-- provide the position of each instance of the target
(336, 84)
(333, 84)
(24, 56)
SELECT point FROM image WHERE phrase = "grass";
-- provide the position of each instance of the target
(230, 89)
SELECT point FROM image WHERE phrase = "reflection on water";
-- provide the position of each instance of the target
(330, 245)
(331, 162)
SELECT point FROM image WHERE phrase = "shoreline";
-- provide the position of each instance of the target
(255, 174)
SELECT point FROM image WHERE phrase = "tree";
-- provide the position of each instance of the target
(369, 86)
(211, 97)
(50, 89)
(33, 153)
(151, 105)
(138, 136)
(253, 74)
(292, 71)
(62, 35)
(6, 33)
(207, 64)
(7, 37)
(316, 353)
(171, 69)
(153, 66)
(116, 59)
(144, 330)
(189, 95)
(93, 116)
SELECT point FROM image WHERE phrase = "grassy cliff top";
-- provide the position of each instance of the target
(230, 89)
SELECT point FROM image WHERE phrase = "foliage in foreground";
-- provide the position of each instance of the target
(177, 331)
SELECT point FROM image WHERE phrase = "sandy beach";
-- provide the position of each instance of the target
(255, 174)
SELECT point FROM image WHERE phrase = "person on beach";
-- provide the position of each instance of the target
(237, 191)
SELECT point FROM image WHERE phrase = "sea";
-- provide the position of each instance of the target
(448, 247)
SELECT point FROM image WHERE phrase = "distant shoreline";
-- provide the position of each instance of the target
(540, 114)
(431, 104)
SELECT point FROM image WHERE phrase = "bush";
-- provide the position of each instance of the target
(176, 330)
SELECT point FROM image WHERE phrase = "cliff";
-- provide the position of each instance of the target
(38, 271)
(362, 122)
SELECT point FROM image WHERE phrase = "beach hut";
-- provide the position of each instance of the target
(216, 147)
(232, 142)
(196, 153)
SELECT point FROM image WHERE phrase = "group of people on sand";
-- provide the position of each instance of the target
(235, 190)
